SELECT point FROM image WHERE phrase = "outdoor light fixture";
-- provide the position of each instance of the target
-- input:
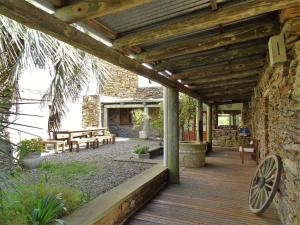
(168, 72)
(147, 66)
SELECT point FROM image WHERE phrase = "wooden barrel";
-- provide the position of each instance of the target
(191, 154)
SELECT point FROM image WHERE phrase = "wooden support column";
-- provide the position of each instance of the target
(209, 127)
(199, 121)
(171, 126)
(105, 117)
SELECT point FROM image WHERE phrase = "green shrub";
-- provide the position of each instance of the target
(46, 210)
(27, 146)
(20, 201)
(140, 149)
(69, 170)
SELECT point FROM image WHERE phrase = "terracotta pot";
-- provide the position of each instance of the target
(192, 154)
(32, 160)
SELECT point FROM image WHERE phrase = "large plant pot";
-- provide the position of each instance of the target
(192, 154)
(32, 160)
(143, 134)
(141, 156)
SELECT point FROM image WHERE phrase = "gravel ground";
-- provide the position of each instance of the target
(111, 173)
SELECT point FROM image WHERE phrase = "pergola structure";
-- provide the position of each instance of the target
(212, 50)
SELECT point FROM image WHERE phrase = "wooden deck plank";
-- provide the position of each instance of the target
(214, 194)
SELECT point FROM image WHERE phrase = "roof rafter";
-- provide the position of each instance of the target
(88, 9)
(202, 21)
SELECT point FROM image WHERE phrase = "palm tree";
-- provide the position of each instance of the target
(71, 69)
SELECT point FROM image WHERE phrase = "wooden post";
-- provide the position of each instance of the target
(199, 121)
(209, 127)
(105, 120)
(171, 126)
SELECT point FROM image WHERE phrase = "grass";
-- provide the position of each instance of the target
(70, 170)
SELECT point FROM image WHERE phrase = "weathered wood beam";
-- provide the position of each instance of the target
(88, 9)
(212, 58)
(203, 21)
(221, 78)
(201, 72)
(58, 3)
(95, 24)
(230, 92)
(214, 4)
(29, 15)
(223, 84)
(233, 98)
(241, 34)
(204, 90)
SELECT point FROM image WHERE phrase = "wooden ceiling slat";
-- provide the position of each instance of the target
(201, 72)
(214, 4)
(193, 23)
(95, 24)
(244, 33)
(221, 78)
(35, 18)
(230, 92)
(204, 90)
(249, 51)
(88, 9)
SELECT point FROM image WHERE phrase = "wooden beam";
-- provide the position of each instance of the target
(221, 78)
(202, 21)
(241, 34)
(58, 3)
(29, 15)
(204, 90)
(227, 83)
(88, 9)
(214, 4)
(95, 24)
(230, 92)
(212, 58)
(233, 98)
(201, 72)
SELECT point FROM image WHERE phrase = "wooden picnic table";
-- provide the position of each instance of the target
(71, 133)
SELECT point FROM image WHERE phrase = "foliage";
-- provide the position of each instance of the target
(27, 146)
(187, 111)
(138, 118)
(69, 170)
(157, 123)
(19, 202)
(140, 149)
(46, 210)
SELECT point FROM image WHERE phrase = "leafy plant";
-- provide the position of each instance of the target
(28, 146)
(157, 123)
(46, 210)
(138, 117)
(140, 149)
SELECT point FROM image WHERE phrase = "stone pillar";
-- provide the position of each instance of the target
(209, 127)
(105, 117)
(171, 125)
(199, 121)
(145, 133)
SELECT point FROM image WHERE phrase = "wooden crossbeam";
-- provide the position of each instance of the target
(95, 24)
(88, 9)
(233, 98)
(229, 92)
(202, 21)
(214, 4)
(244, 33)
(223, 84)
(204, 90)
(221, 78)
(58, 3)
(201, 72)
(29, 15)
(217, 57)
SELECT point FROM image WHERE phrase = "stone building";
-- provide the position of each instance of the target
(120, 96)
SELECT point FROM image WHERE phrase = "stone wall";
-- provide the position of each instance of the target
(124, 84)
(91, 111)
(276, 123)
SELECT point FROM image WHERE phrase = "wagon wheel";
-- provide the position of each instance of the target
(264, 184)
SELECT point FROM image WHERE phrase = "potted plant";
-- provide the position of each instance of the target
(29, 153)
(141, 152)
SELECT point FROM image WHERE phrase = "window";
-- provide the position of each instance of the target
(125, 117)
(229, 119)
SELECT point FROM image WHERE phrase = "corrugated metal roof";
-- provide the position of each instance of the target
(152, 13)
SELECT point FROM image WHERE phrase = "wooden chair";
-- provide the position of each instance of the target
(252, 149)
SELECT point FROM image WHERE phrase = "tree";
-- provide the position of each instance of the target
(187, 112)
(22, 48)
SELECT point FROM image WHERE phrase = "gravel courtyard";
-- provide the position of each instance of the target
(111, 173)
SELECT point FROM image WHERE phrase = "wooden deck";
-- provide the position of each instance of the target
(213, 195)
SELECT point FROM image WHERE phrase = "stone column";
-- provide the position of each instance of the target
(105, 117)
(209, 127)
(199, 121)
(146, 122)
(165, 106)
(172, 129)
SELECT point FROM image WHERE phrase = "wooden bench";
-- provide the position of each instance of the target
(94, 141)
(56, 144)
